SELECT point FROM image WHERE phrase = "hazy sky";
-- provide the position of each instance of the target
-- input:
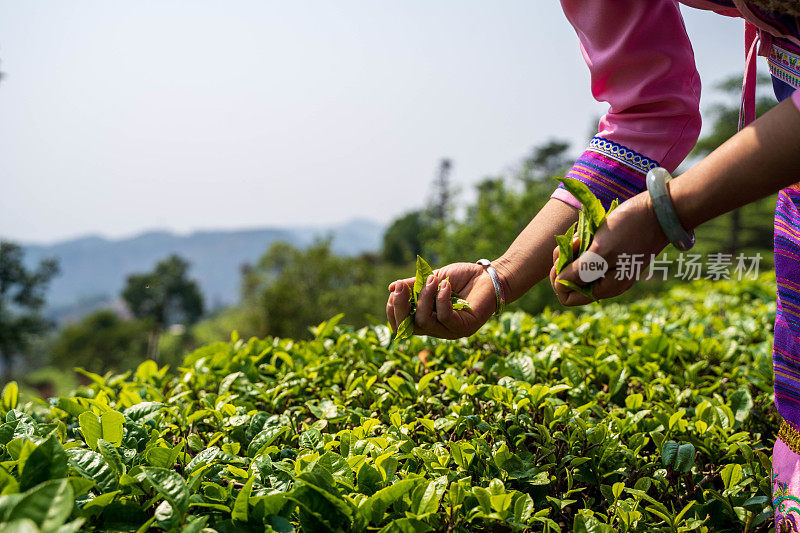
(117, 117)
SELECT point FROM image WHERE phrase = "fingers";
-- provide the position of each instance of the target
(565, 295)
(424, 317)
(434, 310)
(428, 318)
(390, 313)
(609, 286)
(570, 273)
(557, 287)
(391, 303)
(407, 281)
(401, 306)
(444, 307)
(574, 298)
(576, 246)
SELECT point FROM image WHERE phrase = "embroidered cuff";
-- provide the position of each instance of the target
(610, 170)
(784, 65)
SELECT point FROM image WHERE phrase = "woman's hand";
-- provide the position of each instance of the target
(631, 231)
(435, 315)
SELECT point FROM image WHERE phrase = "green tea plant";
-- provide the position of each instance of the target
(423, 270)
(656, 416)
(590, 218)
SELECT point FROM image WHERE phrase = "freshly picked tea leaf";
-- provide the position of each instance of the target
(590, 218)
(565, 248)
(591, 204)
(586, 291)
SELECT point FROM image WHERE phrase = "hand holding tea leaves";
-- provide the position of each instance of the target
(452, 302)
(590, 218)
(629, 229)
(406, 327)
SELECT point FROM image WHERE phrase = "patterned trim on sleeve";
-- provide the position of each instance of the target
(784, 65)
(611, 171)
(624, 155)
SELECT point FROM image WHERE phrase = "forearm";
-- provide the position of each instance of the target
(529, 258)
(641, 63)
(756, 162)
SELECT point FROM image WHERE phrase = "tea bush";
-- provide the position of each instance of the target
(655, 416)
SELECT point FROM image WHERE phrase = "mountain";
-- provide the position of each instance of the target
(94, 269)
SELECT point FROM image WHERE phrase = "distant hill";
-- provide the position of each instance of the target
(93, 269)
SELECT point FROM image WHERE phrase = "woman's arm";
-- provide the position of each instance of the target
(641, 63)
(759, 160)
(527, 262)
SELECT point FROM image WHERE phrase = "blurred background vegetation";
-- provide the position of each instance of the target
(291, 288)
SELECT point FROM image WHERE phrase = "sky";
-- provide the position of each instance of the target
(120, 117)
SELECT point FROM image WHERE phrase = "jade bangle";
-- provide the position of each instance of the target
(665, 211)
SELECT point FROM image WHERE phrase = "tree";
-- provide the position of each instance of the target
(100, 342)
(290, 289)
(547, 160)
(163, 297)
(21, 302)
(501, 210)
(402, 240)
(440, 205)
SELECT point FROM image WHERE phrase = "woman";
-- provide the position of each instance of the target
(642, 64)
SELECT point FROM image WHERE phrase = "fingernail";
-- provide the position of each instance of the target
(391, 285)
(429, 280)
(445, 284)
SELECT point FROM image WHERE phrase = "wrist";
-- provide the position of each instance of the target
(688, 204)
(661, 239)
(504, 272)
(661, 202)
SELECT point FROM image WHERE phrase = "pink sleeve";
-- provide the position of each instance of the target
(641, 63)
(796, 98)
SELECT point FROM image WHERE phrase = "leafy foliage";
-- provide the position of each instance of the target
(402, 240)
(291, 289)
(21, 301)
(101, 341)
(164, 296)
(651, 417)
(502, 207)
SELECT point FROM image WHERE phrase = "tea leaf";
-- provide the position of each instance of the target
(586, 291)
(10, 396)
(48, 461)
(423, 271)
(48, 504)
(565, 248)
(591, 205)
(171, 486)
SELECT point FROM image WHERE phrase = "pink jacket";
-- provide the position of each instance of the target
(642, 63)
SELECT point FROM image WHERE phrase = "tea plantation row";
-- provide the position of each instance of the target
(651, 417)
